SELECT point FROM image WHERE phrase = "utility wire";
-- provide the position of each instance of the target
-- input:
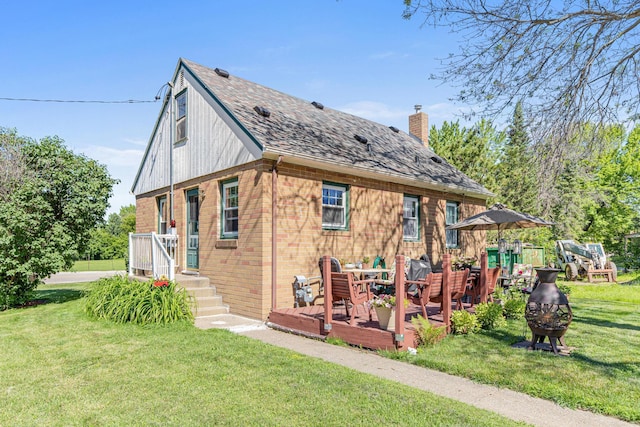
(128, 101)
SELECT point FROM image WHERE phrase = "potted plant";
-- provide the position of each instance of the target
(365, 262)
(385, 305)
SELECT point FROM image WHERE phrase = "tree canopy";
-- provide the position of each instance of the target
(49, 203)
(589, 195)
(570, 62)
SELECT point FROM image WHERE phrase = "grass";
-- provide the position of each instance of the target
(98, 265)
(58, 367)
(602, 374)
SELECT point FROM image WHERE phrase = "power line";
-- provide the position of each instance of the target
(128, 101)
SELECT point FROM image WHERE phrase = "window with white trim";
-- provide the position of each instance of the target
(162, 215)
(181, 116)
(411, 218)
(451, 218)
(334, 206)
(230, 209)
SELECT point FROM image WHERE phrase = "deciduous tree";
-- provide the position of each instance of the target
(46, 217)
(570, 62)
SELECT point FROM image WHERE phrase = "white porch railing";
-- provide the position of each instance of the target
(153, 252)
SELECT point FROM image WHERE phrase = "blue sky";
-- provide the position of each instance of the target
(352, 55)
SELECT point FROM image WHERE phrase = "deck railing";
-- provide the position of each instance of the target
(155, 253)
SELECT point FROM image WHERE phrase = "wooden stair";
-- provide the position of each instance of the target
(208, 303)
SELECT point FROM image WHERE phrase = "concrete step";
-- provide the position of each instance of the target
(211, 301)
(210, 311)
(207, 302)
(201, 292)
(192, 281)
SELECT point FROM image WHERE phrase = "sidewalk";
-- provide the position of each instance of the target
(513, 405)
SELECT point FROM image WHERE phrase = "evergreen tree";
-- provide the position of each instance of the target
(518, 168)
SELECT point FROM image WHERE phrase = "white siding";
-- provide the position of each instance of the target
(214, 142)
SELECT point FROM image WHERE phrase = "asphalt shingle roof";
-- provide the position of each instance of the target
(297, 128)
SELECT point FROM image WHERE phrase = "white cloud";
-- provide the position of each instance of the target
(137, 142)
(372, 110)
(115, 157)
(444, 111)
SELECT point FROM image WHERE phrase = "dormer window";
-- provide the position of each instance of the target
(181, 116)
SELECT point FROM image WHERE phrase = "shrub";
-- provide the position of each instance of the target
(122, 300)
(514, 308)
(428, 335)
(490, 315)
(463, 322)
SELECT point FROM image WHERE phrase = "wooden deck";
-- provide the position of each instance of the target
(313, 320)
(310, 321)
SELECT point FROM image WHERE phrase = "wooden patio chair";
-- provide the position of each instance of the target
(473, 286)
(492, 279)
(354, 292)
(429, 289)
(459, 286)
(335, 268)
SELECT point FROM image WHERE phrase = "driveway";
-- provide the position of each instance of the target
(82, 276)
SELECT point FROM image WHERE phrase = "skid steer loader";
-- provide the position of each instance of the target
(584, 261)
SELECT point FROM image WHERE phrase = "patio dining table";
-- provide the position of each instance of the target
(367, 272)
(375, 276)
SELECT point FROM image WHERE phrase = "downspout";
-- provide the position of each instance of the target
(171, 136)
(274, 232)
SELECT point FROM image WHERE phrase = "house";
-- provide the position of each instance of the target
(260, 185)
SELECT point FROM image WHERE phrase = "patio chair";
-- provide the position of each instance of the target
(473, 286)
(459, 280)
(457, 287)
(492, 279)
(352, 292)
(428, 289)
(335, 268)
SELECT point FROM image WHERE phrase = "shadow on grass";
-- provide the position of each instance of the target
(609, 369)
(54, 296)
(608, 324)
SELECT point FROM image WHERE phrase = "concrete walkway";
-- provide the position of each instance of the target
(513, 405)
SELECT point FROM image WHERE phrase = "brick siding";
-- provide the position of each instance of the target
(241, 269)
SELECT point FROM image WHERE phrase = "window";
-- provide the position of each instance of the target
(334, 206)
(162, 215)
(411, 218)
(452, 218)
(230, 209)
(181, 116)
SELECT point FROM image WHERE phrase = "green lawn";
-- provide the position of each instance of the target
(60, 368)
(98, 265)
(601, 375)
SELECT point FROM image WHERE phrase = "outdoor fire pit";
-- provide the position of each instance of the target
(548, 312)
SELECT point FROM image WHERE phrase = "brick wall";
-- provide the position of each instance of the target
(241, 269)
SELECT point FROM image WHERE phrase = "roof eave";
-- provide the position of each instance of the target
(370, 174)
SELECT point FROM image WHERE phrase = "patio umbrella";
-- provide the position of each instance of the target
(499, 218)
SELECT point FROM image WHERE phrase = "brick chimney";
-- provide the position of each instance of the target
(419, 125)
